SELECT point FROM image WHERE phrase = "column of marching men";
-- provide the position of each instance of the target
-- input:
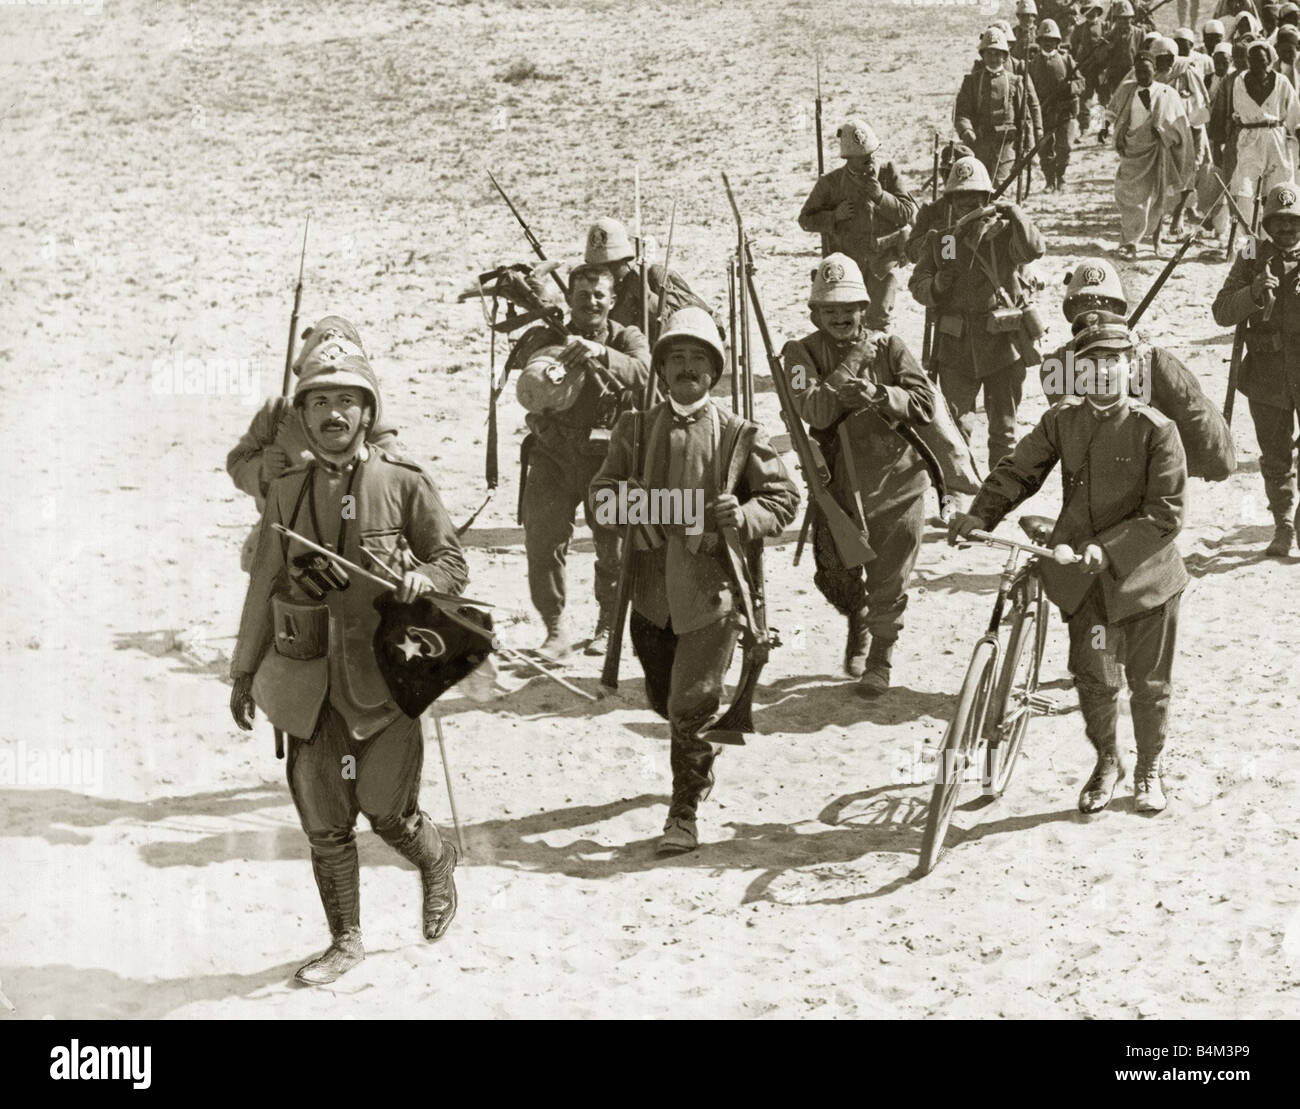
(1197, 127)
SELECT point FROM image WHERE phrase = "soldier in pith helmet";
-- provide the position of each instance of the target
(1263, 289)
(685, 613)
(863, 210)
(985, 329)
(997, 112)
(848, 380)
(305, 652)
(608, 245)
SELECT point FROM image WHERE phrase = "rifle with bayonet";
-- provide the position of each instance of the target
(626, 568)
(528, 233)
(285, 390)
(1239, 336)
(850, 541)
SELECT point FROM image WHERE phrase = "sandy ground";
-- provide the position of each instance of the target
(161, 158)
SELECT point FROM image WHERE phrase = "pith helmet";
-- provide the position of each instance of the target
(607, 242)
(1282, 200)
(327, 327)
(1102, 331)
(1095, 283)
(545, 384)
(967, 175)
(694, 323)
(336, 363)
(1121, 8)
(857, 138)
(1026, 7)
(993, 39)
(837, 280)
(1049, 30)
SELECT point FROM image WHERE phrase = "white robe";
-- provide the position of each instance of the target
(1267, 152)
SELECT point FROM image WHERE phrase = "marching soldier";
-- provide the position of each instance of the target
(608, 245)
(933, 214)
(309, 663)
(275, 442)
(844, 376)
(863, 210)
(997, 110)
(1096, 295)
(684, 620)
(970, 276)
(601, 371)
(1023, 48)
(1262, 290)
(1124, 478)
(1086, 49)
(1057, 82)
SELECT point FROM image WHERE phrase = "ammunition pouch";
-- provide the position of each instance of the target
(293, 679)
(952, 325)
(302, 631)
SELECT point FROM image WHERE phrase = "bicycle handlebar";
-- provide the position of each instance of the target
(991, 540)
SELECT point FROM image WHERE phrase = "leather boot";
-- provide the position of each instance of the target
(1283, 540)
(339, 881)
(876, 672)
(1100, 717)
(439, 900)
(435, 860)
(1148, 776)
(855, 649)
(557, 643)
(692, 782)
(600, 637)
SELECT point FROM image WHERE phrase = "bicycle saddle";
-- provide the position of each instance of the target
(1038, 528)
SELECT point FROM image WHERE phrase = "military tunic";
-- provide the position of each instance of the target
(1124, 476)
(969, 357)
(684, 621)
(1270, 370)
(998, 117)
(399, 515)
(859, 236)
(565, 450)
(887, 470)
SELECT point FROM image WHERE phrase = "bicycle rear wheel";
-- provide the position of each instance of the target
(959, 744)
(1013, 702)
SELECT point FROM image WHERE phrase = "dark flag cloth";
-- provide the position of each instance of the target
(422, 652)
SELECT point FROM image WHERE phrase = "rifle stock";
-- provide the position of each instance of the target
(850, 541)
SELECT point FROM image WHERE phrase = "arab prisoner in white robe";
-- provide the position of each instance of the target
(1156, 157)
(1267, 152)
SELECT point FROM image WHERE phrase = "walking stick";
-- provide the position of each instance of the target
(446, 774)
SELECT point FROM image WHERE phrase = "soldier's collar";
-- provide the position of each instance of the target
(343, 466)
(597, 333)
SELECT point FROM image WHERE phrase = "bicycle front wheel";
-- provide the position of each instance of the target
(959, 745)
(1013, 704)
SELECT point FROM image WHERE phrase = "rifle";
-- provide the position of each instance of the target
(288, 377)
(821, 163)
(1239, 336)
(852, 545)
(626, 567)
(528, 232)
(927, 334)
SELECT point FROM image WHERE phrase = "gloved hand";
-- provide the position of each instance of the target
(961, 525)
(241, 701)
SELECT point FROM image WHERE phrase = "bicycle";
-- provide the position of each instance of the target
(1002, 677)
